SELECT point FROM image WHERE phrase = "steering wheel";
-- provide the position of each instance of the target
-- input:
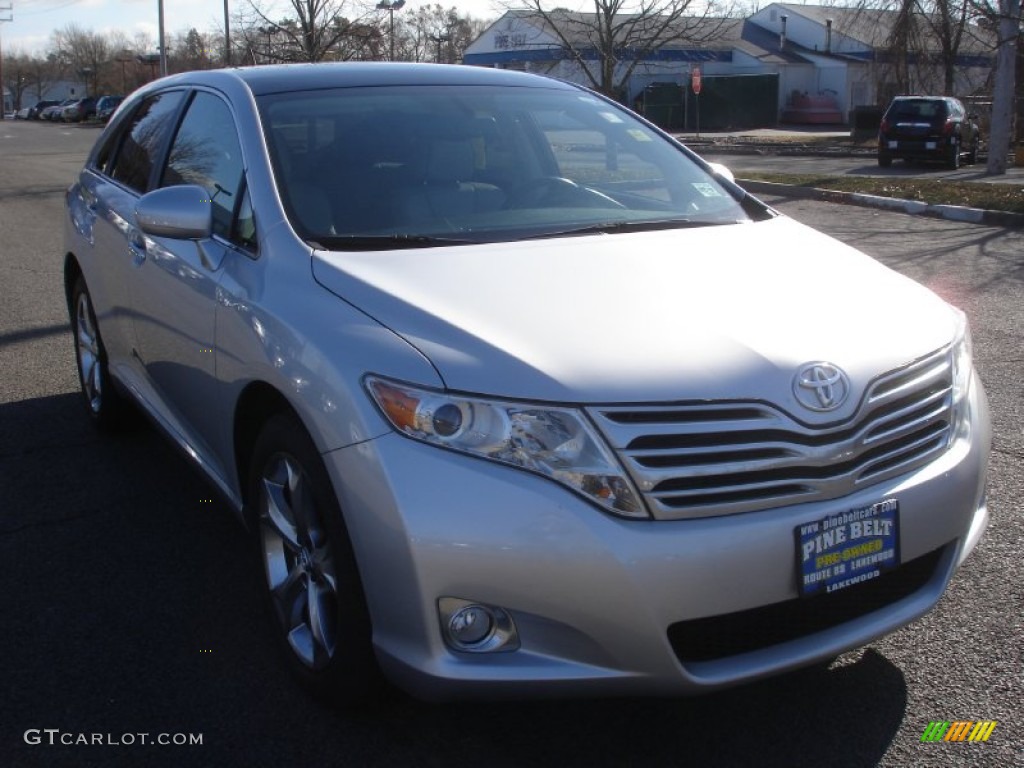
(558, 191)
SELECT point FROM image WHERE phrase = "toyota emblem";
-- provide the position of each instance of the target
(821, 386)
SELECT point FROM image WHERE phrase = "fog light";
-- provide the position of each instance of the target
(473, 627)
(470, 625)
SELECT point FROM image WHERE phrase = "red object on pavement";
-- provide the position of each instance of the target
(695, 80)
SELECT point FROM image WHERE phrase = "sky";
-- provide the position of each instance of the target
(34, 20)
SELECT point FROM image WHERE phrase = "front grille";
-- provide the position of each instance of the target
(718, 637)
(720, 458)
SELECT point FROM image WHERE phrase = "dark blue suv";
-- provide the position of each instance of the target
(935, 128)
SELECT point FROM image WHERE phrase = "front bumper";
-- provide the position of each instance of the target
(599, 603)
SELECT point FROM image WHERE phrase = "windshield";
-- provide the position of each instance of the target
(413, 166)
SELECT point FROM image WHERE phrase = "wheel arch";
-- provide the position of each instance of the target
(257, 403)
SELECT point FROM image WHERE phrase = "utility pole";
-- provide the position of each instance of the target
(6, 14)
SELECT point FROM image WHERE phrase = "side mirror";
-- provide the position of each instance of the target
(182, 212)
(720, 170)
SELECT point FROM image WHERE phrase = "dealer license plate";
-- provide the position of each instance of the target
(847, 548)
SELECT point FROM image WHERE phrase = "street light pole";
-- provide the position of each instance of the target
(391, 7)
(440, 39)
(227, 37)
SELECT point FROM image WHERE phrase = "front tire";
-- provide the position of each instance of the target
(106, 406)
(311, 582)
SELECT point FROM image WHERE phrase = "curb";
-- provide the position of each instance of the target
(912, 207)
(780, 150)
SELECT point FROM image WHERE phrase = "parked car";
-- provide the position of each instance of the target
(935, 128)
(39, 106)
(79, 111)
(515, 393)
(22, 114)
(106, 106)
(53, 113)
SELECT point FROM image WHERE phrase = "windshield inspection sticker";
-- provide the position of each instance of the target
(708, 190)
(848, 548)
(639, 135)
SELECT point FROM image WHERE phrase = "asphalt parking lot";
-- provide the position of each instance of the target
(130, 605)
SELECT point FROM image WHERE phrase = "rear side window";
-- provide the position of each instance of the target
(144, 136)
(206, 152)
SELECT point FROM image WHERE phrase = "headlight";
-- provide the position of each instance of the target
(962, 367)
(556, 442)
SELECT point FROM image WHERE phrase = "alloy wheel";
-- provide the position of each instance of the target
(298, 563)
(87, 347)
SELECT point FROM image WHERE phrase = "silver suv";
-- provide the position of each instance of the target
(514, 393)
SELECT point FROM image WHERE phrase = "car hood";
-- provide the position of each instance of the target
(720, 312)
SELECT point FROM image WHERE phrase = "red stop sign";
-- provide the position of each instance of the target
(695, 80)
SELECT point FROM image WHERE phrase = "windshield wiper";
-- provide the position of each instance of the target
(384, 242)
(630, 226)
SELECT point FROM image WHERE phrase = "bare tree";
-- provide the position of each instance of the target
(931, 34)
(88, 53)
(17, 75)
(435, 33)
(1009, 32)
(319, 30)
(903, 43)
(623, 33)
(948, 25)
(43, 71)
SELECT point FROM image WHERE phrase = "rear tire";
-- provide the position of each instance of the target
(972, 156)
(953, 160)
(312, 587)
(884, 159)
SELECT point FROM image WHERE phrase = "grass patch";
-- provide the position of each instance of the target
(994, 197)
(786, 140)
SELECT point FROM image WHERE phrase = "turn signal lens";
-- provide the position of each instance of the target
(399, 407)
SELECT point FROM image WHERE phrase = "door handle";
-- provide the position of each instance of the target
(137, 248)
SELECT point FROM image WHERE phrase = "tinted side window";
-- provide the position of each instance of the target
(145, 135)
(106, 151)
(206, 152)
